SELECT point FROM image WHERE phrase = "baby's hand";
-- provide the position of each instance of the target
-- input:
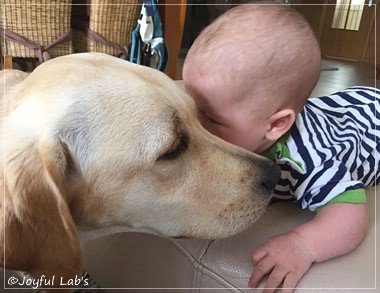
(284, 258)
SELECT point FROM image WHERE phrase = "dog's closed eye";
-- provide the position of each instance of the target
(177, 148)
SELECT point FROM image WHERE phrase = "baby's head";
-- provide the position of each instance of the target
(251, 71)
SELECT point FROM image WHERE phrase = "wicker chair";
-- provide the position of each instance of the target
(109, 26)
(35, 29)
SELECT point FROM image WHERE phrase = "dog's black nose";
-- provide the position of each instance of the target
(270, 179)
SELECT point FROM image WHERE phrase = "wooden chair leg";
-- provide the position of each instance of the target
(173, 14)
(8, 62)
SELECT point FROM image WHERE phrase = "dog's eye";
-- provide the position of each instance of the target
(178, 147)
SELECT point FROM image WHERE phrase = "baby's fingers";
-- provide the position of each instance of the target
(259, 254)
(280, 276)
(263, 267)
(275, 279)
(290, 282)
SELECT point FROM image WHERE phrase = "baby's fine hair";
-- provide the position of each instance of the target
(238, 25)
(286, 42)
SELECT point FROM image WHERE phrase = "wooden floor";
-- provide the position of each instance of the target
(346, 74)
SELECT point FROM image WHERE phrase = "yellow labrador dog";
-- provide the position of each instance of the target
(93, 140)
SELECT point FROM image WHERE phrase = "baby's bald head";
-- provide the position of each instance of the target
(259, 49)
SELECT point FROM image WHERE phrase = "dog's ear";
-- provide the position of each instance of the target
(38, 234)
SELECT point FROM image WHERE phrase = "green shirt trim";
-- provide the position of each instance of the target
(350, 196)
(281, 151)
(271, 153)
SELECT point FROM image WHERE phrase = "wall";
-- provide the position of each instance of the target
(373, 40)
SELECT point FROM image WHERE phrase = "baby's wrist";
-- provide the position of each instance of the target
(306, 241)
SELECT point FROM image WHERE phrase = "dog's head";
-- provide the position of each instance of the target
(98, 141)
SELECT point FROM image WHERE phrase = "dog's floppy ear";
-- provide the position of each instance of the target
(39, 234)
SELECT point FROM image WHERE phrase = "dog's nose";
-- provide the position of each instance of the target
(270, 179)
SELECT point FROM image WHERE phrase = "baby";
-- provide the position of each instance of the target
(251, 72)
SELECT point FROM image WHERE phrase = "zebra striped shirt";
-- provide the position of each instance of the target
(332, 152)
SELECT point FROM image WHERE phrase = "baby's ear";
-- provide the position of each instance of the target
(280, 123)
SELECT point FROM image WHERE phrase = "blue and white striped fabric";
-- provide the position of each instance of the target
(333, 148)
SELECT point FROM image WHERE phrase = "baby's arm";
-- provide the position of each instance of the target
(336, 230)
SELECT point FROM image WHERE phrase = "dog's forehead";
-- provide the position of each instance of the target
(122, 77)
(107, 80)
(105, 91)
(155, 92)
(145, 107)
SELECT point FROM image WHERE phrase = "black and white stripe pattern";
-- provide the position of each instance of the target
(336, 139)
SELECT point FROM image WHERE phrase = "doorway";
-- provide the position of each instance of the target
(346, 29)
